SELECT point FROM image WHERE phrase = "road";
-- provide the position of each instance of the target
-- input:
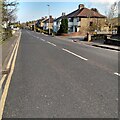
(55, 78)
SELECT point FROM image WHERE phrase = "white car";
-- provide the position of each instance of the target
(16, 28)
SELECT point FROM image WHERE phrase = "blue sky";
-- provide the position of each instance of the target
(35, 10)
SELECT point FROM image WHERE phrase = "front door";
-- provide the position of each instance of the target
(75, 28)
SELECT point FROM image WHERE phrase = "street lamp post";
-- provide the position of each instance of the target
(49, 17)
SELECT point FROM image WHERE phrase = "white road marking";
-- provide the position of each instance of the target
(34, 36)
(75, 54)
(4, 95)
(45, 35)
(51, 43)
(117, 74)
(37, 33)
(42, 39)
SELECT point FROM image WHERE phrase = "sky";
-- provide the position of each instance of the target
(35, 9)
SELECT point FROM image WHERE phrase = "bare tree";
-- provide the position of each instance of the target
(9, 11)
(113, 12)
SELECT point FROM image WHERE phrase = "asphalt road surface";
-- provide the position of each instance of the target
(55, 78)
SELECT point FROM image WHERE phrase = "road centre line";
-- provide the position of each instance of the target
(42, 39)
(37, 37)
(5, 91)
(51, 43)
(45, 34)
(117, 74)
(75, 54)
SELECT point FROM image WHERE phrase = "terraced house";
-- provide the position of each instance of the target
(82, 20)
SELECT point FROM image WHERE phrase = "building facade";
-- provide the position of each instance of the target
(57, 22)
(82, 19)
(48, 23)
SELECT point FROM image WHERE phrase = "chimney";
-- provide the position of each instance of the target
(63, 14)
(81, 6)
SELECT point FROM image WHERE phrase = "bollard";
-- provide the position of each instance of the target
(88, 37)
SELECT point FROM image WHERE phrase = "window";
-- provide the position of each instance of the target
(91, 23)
(71, 29)
(57, 22)
(78, 19)
(70, 19)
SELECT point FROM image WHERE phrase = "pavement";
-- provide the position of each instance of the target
(96, 43)
(7, 47)
(56, 78)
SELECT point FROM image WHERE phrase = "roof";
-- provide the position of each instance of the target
(61, 17)
(85, 13)
(51, 20)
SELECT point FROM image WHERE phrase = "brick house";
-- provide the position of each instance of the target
(82, 19)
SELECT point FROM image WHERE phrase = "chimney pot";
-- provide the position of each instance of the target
(63, 14)
(81, 6)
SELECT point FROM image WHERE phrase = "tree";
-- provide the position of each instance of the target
(113, 12)
(9, 11)
(63, 26)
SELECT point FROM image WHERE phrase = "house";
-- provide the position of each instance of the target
(57, 22)
(82, 20)
(31, 25)
(48, 23)
(40, 22)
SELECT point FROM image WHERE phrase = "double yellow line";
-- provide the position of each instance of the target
(11, 66)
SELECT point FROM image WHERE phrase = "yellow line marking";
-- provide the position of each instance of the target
(8, 65)
(4, 95)
(10, 60)
(2, 80)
